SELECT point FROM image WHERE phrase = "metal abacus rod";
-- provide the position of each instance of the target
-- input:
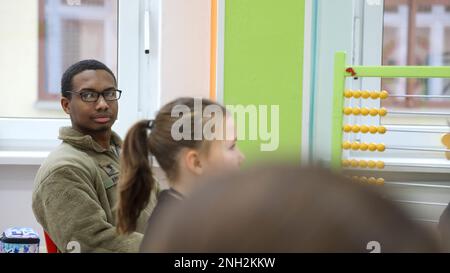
(380, 147)
(371, 164)
(417, 131)
(421, 96)
(418, 113)
(417, 149)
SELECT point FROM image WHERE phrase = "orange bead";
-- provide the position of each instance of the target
(347, 128)
(356, 111)
(363, 164)
(365, 94)
(384, 95)
(380, 165)
(381, 147)
(348, 94)
(380, 181)
(365, 129)
(356, 146)
(364, 147)
(365, 111)
(345, 163)
(346, 145)
(373, 112)
(371, 164)
(357, 94)
(372, 147)
(382, 130)
(373, 129)
(374, 95)
(348, 111)
(356, 129)
(382, 112)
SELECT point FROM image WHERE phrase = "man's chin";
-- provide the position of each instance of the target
(102, 127)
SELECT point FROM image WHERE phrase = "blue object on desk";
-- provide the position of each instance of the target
(19, 240)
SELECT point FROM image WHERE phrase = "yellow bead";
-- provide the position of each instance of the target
(382, 112)
(364, 179)
(365, 94)
(384, 95)
(373, 129)
(380, 165)
(347, 145)
(354, 163)
(372, 147)
(373, 112)
(374, 95)
(380, 181)
(365, 111)
(348, 111)
(355, 178)
(381, 147)
(348, 94)
(356, 111)
(364, 147)
(356, 146)
(348, 128)
(356, 129)
(372, 180)
(365, 129)
(371, 164)
(357, 94)
(363, 164)
(382, 130)
(345, 163)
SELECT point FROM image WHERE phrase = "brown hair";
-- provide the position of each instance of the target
(286, 209)
(146, 138)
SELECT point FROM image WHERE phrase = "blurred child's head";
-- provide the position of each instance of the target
(189, 138)
(286, 209)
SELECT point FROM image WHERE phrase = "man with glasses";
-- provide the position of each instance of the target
(75, 188)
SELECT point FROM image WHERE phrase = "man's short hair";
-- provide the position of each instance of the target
(77, 68)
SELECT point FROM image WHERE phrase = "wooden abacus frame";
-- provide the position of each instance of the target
(342, 71)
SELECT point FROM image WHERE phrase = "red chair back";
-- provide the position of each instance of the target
(51, 247)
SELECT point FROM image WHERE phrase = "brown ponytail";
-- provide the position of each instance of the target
(136, 178)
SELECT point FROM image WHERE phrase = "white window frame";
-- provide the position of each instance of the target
(368, 32)
(26, 141)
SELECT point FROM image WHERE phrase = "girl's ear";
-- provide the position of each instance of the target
(193, 162)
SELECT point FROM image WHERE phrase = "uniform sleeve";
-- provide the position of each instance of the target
(69, 210)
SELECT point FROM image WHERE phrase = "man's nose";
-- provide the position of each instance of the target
(101, 104)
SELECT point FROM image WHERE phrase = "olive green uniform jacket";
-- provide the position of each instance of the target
(75, 196)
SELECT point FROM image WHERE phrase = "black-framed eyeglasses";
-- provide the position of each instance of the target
(92, 96)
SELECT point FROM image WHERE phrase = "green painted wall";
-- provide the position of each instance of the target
(263, 65)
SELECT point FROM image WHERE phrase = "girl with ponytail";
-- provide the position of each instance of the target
(183, 160)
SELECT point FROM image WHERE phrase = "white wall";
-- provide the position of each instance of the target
(185, 48)
(16, 186)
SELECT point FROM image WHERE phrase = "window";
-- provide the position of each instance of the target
(415, 32)
(40, 39)
(70, 31)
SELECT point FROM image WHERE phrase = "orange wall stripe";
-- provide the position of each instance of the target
(213, 67)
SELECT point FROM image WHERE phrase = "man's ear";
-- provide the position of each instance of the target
(193, 162)
(65, 104)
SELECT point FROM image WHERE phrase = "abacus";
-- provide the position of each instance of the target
(341, 94)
